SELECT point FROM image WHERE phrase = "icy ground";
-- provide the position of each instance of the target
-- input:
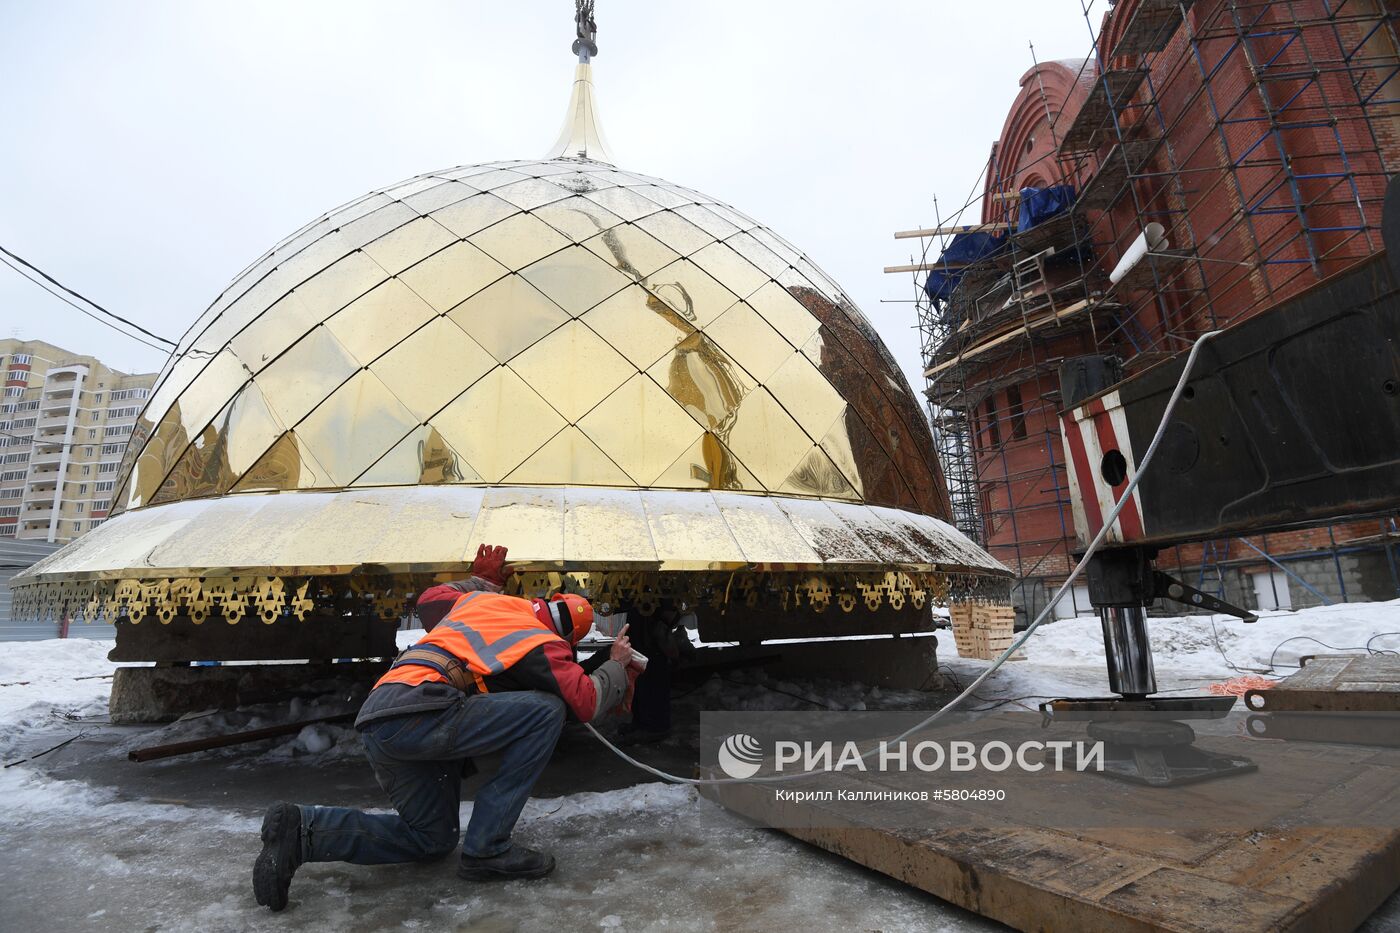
(89, 840)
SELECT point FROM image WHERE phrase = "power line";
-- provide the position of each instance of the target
(83, 298)
(79, 307)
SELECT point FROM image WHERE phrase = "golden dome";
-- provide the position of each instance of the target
(556, 323)
(599, 369)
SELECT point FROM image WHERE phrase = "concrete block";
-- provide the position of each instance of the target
(162, 694)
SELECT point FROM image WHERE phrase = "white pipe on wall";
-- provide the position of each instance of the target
(1152, 239)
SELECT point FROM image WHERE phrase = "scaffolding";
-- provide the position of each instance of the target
(1260, 135)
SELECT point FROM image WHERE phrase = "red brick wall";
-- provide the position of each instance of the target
(1296, 541)
(1260, 238)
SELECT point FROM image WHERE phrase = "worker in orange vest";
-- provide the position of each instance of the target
(493, 674)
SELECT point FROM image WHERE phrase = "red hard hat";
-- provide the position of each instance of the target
(570, 616)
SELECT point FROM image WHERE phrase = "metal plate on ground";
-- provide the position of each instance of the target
(1335, 684)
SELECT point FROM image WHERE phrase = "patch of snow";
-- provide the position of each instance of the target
(48, 670)
(315, 739)
(655, 796)
(1193, 644)
(1066, 657)
(47, 686)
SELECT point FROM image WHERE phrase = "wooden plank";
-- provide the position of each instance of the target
(1178, 900)
(951, 231)
(1036, 879)
(926, 266)
(1062, 231)
(1273, 855)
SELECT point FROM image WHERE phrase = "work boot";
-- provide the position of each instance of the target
(280, 855)
(515, 862)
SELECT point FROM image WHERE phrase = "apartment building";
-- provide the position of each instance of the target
(65, 420)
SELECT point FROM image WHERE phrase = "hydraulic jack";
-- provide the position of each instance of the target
(1145, 739)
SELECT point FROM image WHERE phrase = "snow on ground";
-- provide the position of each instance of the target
(47, 669)
(646, 857)
(1189, 652)
(46, 686)
(1194, 643)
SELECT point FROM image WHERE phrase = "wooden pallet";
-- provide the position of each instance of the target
(983, 630)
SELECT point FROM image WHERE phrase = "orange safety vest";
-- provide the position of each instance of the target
(482, 635)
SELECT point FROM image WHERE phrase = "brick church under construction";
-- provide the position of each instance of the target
(1259, 136)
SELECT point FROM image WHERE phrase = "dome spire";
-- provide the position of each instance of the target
(582, 136)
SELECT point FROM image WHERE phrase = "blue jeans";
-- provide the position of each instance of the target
(418, 759)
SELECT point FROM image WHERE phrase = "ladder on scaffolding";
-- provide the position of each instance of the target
(1030, 286)
(1212, 576)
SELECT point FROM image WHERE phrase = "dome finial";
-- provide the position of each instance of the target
(586, 45)
(582, 137)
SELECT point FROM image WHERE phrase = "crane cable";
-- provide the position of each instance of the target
(1015, 644)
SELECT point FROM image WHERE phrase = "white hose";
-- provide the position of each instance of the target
(1017, 643)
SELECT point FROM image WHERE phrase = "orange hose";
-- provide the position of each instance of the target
(1237, 686)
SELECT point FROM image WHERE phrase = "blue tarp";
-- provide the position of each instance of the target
(965, 248)
(1040, 204)
(1037, 206)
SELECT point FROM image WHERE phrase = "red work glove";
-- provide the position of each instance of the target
(491, 566)
(634, 670)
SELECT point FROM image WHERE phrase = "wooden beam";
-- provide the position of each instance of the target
(950, 231)
(926, 266)
(152, 752)
(1002, 197)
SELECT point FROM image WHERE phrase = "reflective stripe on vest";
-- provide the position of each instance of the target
(487, 631)
(490, 654)
(441, 660)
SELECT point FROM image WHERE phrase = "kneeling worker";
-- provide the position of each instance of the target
(494, 673)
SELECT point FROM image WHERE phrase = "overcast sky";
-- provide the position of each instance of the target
(151, 150)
